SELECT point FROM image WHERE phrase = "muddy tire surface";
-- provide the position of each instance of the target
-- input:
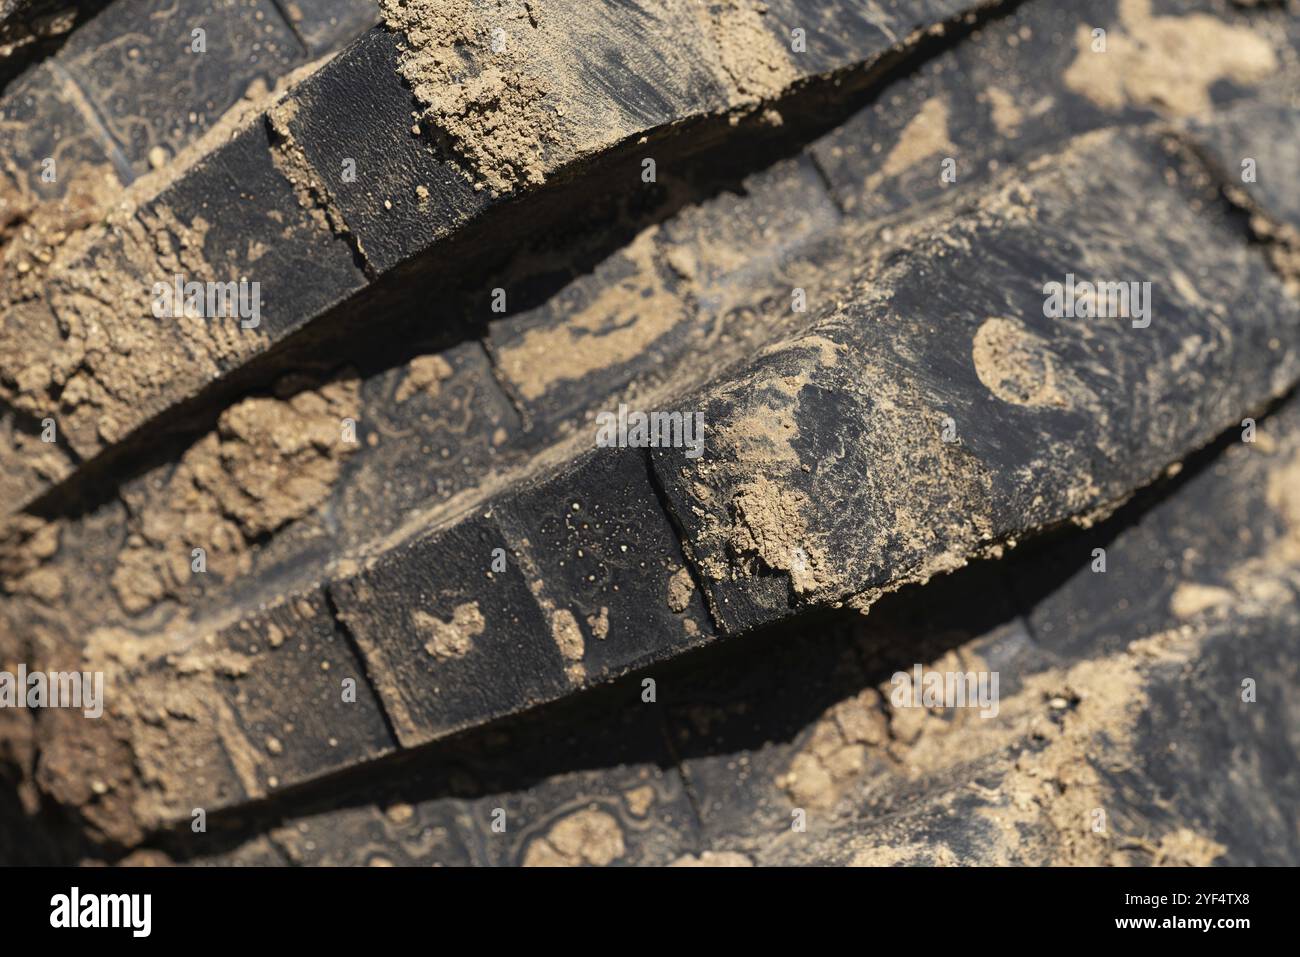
(571, 433)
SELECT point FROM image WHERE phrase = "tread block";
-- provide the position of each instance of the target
(1267, 134)
(1201, 550)
(252, 227)
(889, 155)
(650, 61)
(448, 642)
(501, 800)
(1162, 777)
(837, 32)
(291, 703)
(789, 453)
(353, 119)
(39, 120)
(1016, 86)
(137, 65)
(606, 552)
(404, 834)
(255, 707)
(80, 292)
(406, 198)
(439, 424)
(615, 70)
(754, 748)
(1197, 725)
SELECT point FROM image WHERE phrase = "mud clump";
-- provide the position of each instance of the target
(494, 119)
(103, 361)
(769, 525)
(282, 455)
(1166, 62)
(1190, 599)
(451, 639)
(1015, 365)
(172, 743)
(639, 800)
(26, 544)
(271, 459)
(587, 837)
(713, 859)
(425, 376)
(564, 631)
(309, 189)
(754, 61)
(680, 590)
(514, 90)
(567, 634)
(599, 624)
(1005, 112)
(836, 751)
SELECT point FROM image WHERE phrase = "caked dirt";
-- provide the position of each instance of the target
(505, 83)
(273, 459)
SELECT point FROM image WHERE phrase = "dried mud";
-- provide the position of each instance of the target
(499, 86)
(74, 269)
